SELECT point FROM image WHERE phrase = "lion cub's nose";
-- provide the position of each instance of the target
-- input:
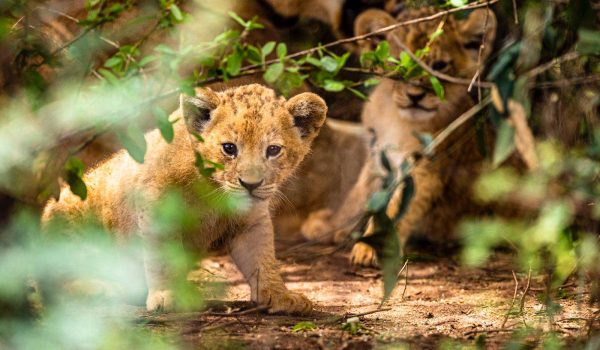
(250, 186)
(416, 97)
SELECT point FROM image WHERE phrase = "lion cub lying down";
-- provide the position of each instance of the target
(259, 137)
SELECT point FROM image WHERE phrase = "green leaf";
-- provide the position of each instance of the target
(436, 34)
(281, 50)
(113, 61)
(267, 49)
(385, 161)
(329, 64)
(438, 88)
(76, 185)
(162, 48)
(589, 42)
(378, 201)
(254, 55)
(458, 3)
(371, 82)
(109, 76)
(144, 61)
(134, 142)
(75, 165)
(405, 60)
(333, 85)
(408, 192)
(234, 63)
(237, 18)
(315, 62)
(176, 12)
(505, 144)
(164, 125)
(382, 51)
(367, 59)
(273, 72)
(304, 326)
(358, 94)
(74, 169)
(187, 87)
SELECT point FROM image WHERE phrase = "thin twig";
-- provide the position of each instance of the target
(381, 31)
(522, 301)
(458, 122)
(338, 318)
(569, 56)
(477, 75)
(512, 303)
(515, 14)
(405, 279)
(440, 75)
(495, 330)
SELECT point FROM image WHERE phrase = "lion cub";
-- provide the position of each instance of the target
(259, 137)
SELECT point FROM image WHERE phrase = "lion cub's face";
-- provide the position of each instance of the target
(455, 53)
(259, 137)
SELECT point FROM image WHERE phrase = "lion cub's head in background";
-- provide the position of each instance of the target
(455, 53)
(259, 137)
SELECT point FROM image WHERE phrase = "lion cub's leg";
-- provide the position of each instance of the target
(254, 253)
(160, 296)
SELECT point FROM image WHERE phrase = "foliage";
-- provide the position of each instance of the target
(304, 326)
(70, 94)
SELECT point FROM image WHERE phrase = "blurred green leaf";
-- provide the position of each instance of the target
(234, 62)
(237, 18)
(164, 125)
(358, 93)
(378, 201)
(333, 85)
(371, 82)
(113, 61)
(74, 169)
(281, 50)
(304, 326)
(267, 49)
(589, 42)
(408, 192)
(176, 12)
(437, 87)
(505, 144)
(109, 76)
(329, 64)
(273, 72)
(134, 142)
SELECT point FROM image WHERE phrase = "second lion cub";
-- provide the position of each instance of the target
(259, 137)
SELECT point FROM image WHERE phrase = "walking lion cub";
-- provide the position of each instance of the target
(258, 137)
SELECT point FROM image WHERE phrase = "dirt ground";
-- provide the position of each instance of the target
(440, 305)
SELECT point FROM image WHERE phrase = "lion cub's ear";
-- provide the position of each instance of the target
(480, 23)
(309, 112)
(370, 21)
(196, 109)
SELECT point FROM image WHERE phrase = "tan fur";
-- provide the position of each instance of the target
(442, 184)
(252, 117)
(323, 179)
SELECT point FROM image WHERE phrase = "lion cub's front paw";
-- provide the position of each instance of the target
(287, 302)
(363, 255)
(160, 300)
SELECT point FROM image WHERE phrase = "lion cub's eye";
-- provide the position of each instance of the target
(439, 65)
(273, 151)
(229, 149)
